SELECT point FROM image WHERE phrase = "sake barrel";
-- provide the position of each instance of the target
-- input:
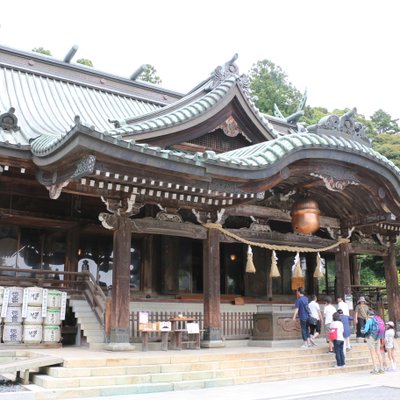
(33, 315)
(13, 315)
(34, 296)
(15, 295)
(32, 334)
(12, 333)
(53, 317)
(1, 294)
(51, 333)
(54, 299)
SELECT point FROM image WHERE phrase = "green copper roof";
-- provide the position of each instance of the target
(193, 106)
(47, 105)
(266, 154)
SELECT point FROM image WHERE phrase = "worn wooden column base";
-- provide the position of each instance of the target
(212, 338)
(210, 344)
(119, 347)
(119, 341)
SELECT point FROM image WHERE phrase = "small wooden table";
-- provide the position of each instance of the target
(145, 339)
(178, 327)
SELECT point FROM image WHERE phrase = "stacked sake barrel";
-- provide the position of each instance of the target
(11, 312)
(32, 311)
(54, 300)
(32, 315)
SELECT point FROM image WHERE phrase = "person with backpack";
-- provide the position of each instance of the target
(346, 329)
(329, 310)
(374, 330)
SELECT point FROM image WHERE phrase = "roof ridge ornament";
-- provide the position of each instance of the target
(223, 72)
(293, 118)
(8, 120)
(346, 126)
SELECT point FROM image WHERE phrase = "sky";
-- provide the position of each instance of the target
(344, 52)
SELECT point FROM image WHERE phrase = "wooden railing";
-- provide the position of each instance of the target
(235, 325)
(42, 278)
(97, 300)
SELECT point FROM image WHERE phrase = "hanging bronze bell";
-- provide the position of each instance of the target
(305, 216)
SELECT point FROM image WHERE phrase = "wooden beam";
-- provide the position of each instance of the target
(275, 214)
(156, 227)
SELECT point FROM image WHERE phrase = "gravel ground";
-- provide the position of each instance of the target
(9, 386)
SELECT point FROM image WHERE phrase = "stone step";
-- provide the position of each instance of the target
(152, 387)
(195, 369)
(90, 325)
(172, 358)
(283, 365)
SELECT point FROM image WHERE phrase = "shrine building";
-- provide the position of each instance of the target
(130, 196)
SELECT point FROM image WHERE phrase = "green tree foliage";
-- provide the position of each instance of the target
(382, 122)
(41, 50)
(269, 83)
(85, 61)
(389, 146)
(313, 114)
(150, 75)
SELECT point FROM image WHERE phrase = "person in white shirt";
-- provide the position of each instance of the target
(390, 344)
(338, 343)
(315, 329)
(342, 305)
(329, 310)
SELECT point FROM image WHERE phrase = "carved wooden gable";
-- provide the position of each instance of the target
(225, 137)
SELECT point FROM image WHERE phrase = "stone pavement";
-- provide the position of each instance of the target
(349, 386)
(346, 386)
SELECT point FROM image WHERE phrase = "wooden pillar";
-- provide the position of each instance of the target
(356, 270)
(311, 262)
(392, 284)
(119, 332)
(148, 263)
(343, 280)
(211, 277)
(71, 259)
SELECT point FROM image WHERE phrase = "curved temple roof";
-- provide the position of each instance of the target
(46, 95)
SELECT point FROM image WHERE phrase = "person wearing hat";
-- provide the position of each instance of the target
(390, 345)
(360, 318)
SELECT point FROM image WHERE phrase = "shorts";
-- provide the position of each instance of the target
(327, 329)
(373, 343)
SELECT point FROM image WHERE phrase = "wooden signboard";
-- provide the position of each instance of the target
(297, 282)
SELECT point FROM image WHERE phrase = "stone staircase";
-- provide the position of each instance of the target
(90, 326)
(192, 369)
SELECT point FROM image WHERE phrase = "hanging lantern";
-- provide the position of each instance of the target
(250, 268)
(274, 273)
(319, 271)
(305, 216)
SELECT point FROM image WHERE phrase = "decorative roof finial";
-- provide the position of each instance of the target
(8, 121)
(222, 72)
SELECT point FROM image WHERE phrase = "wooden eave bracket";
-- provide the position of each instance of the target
(55, 181)
(387, 222)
